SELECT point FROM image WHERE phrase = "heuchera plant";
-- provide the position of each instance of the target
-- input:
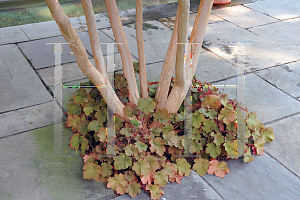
(149, 154)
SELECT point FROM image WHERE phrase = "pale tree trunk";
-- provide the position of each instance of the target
(120, 37)
(168, 67)
(178, 93)
(83, 62)
(93, 34)
(140, 45)
(180, 83)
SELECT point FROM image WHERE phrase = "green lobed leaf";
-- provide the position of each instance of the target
(101, 116)
(218, 138)
(102, 134)
(141, 146)
(81, 96)
(157, 146)
(118, 183)
(75, 141)
(146, 105)
(201, 166)
(133, 189)
(106, 169)
(252, 120)
(197, 119)
(213, 150)
(155, 191)
(160, 178)
(171, 138)
(208, 125)
(84, 144)
(130, 110)
(162, 116)
(90, 106)
(73, 109)
(231, 148)
(73, 121)
(153, 163)
(94, 126)
(184, 168)
(122, 162)
(268, 134)
(142, 167)
(248, 157)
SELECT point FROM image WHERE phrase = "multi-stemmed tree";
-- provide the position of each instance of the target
(151, 135)
(175, 55)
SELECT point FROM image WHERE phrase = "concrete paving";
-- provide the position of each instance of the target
(30, 170)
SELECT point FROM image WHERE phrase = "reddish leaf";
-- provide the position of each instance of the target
(118, 183)
(219, 169)
(227, 115)
(148, 179)
(211, 101)
(91, 171)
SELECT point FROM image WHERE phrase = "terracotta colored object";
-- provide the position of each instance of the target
(220, 2)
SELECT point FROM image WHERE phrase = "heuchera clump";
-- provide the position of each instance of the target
(149, 148)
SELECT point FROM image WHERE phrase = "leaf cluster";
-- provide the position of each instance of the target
(149, 148)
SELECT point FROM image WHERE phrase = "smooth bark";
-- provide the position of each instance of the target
(141, 50)
(93, 35)
(178, 94)
(168, 67)
(120, 37)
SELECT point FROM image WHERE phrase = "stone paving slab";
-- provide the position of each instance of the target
(195, 4)
(261, 97)
(191, 187)
(71, 71)
(263, 178)
(156, 40)
(28, 118)
(285, 147)
(284, 33)
(207, 61)
(79, 23)
(285, 77)
(19, 85)
(41, 55)
(259, 53)
(149, 13)
(12, 34)
(36, 173)
(41, 30)
(170, 21)
(243, 17)
(279, 9)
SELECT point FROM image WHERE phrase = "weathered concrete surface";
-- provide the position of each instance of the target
(19, 85)
(156, 40)
(285, 147)
(285, 77)
(41, 55)
(243, 17)
(210, 68)
(259, 53)
(261, 97)
(41, 30)
(79, 23)
(280, 9)
(149, 13)
(36, 173)
(284, 33)
(170, 21)
(30, 118)
(195, 4)
(12, 34)
(263, 178)
(191, 187)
